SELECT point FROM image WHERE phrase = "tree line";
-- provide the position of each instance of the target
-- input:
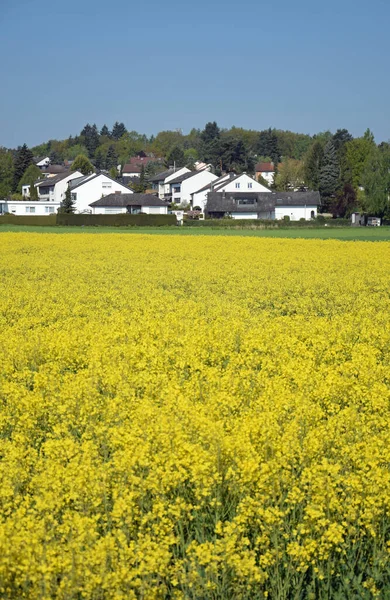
(350, 173)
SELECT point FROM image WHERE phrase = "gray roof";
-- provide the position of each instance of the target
(263, 201)
(184, 177)
(55, 169)
(163, 175)
(129, 200)
(216, 183)
(50, 181)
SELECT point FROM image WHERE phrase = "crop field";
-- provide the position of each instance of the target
(194, 417)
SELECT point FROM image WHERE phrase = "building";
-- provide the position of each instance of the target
(129, 203)
(87, 188)
(266, 170)
(182, 186)
(134, 167)
(28, 207)
(160, 182)
(199, 197)
(53, 189)
(263, 205)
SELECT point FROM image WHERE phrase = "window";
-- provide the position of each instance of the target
(74, 197)
(49, 209)
(312, 214)
(250, 186)
(106, 184)
(237, 186)
(30, 209)
(112, 211)
(246, 201)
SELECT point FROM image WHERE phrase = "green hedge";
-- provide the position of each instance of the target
(266, 224)
(119, 220)
(40, 220)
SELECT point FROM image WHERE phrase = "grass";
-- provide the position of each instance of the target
(342, 233)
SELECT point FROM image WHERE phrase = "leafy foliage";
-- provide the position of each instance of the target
(81, 163)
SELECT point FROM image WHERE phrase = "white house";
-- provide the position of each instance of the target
(54, 188)
(160, 182)
(263, 205)
(88, 188)
(266, 171)
(241, 183)
(182, 186)
(27, 207)
(44, 163)
(129, 203)
(199, 197)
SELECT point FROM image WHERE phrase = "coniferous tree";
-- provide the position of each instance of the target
(91, 138)
(105, 131)
(268, 145)
(176, 157)
(24, 158)
(329, 174)
(67, 205)
(118, 130)
(111, 158)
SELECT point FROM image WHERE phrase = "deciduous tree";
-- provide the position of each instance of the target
(81, 163)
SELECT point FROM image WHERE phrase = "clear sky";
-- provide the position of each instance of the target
(303, 65)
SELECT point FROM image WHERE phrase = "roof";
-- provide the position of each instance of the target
(129, 200)
(163, 175)
(264, 201)
(80, 181)
(265, 167)
(131, 169)
(184, 177)
(216, 182)
(55, 169)
(50, 181)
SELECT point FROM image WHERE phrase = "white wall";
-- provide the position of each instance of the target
(60, 188)
(244, 215)
(94, 189)
(27, 208)
(267, 175)
(190, 185)
(244, 183)
(295, 212)
(164, 188)
(149, 210)
(200, 198)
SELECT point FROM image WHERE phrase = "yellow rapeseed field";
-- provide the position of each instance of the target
(193, 417)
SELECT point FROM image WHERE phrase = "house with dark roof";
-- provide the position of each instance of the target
(230, 182)
(134, 167)
(88, 188)
(129, 203)
(266, 170)
(182, 186)
(263, 205)
(160, 181)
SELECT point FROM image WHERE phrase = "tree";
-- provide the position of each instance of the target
(111, 158)
(30, 176)
(81, 163)
(312, 166)
(329, 173)
(6, 173)
(268, 145)
(289, 175)
(100, 159)
(114, 173)
(141, 185)
(105, 131)
(376, 183)
(118, 130)
(91, 138)
(345, 202)
(357, 154)
(190, 156)
(176, 157)
(23, 159)
(67, 205)
(234, 155)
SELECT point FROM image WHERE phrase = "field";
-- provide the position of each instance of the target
(194, 417)
(337, 233)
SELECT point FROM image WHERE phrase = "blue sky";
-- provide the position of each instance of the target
(301, 65)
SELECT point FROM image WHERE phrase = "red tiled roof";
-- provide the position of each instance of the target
(265, 167)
